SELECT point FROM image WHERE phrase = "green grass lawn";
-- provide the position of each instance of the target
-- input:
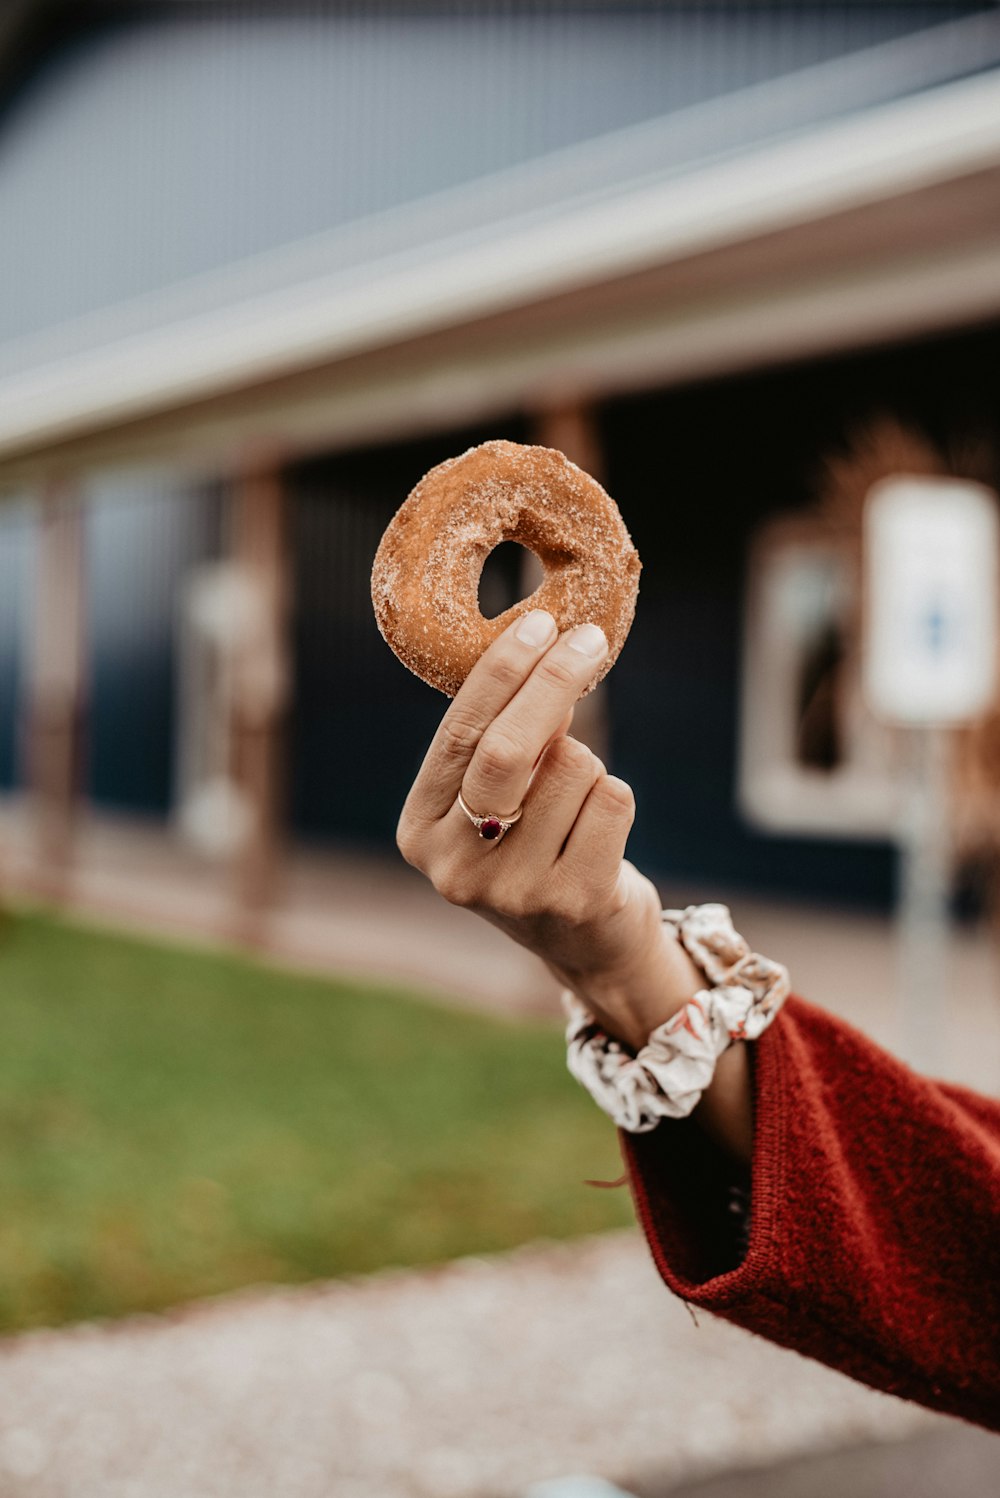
(175, 1124)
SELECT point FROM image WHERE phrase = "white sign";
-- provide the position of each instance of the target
(932, 552)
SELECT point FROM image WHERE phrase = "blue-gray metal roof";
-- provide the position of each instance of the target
(167, 146)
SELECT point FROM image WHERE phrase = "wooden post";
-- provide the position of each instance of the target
(261, 687)
(55, 689)
(572, 428)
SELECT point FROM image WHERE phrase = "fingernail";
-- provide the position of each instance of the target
(589, 640)
(536, 628)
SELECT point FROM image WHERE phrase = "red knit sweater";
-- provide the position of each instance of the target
(874, 1234)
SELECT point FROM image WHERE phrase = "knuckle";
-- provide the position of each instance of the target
(448, 890)
(405, 841)
(499, 757)
(558, 672)
(459, 736)
(570, 754)
(617, 899)
(408, 840)
(506, 673)
(453, 884)
(512, 905)
(618, 795)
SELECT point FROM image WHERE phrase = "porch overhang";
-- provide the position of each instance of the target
(880, 226)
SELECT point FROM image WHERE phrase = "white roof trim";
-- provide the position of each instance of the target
(876, 155)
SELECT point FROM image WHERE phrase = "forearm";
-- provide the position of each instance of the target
(726, 1109)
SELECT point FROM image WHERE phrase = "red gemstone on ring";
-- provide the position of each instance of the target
(490, 829)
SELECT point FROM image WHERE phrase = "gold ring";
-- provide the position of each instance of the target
(489, 826)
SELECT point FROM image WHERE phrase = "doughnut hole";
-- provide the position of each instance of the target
(511, 572)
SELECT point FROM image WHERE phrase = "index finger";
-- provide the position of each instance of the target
(493, 681)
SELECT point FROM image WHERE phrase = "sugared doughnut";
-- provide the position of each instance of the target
(425, 579)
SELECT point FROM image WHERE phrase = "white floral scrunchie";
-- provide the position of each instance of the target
(670, 1073)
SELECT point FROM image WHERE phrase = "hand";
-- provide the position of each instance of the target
(558, 883)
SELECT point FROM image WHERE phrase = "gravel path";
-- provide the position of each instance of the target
(477, 1378)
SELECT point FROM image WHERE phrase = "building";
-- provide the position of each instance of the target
(266, 265)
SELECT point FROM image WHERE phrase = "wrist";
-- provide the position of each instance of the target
(632, 998)
(737, 995)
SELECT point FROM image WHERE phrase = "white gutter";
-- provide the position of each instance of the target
(886, 151)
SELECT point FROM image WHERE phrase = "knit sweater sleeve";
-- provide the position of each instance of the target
(874, 1233)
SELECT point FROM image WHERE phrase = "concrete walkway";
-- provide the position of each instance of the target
(476, 1380)
(956, 1461)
